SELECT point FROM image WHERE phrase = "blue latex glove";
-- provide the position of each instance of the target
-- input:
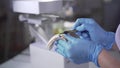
(97, 34)
(79, 50)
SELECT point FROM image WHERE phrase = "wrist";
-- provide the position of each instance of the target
(101, 56)
(105, 60)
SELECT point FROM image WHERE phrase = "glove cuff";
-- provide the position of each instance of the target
(95, 54)
(110, 40)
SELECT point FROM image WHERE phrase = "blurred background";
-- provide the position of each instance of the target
(23, 22)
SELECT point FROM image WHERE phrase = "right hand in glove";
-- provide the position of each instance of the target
(95, 32)
(79, 50)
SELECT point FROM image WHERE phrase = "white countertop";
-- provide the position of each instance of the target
(20, 61)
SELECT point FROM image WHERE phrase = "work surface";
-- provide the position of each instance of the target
(20, 61)
(23, 61)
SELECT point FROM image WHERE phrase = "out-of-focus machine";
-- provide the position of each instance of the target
(14, 36)
(40, 14)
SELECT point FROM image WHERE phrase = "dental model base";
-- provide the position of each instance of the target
(61, 36)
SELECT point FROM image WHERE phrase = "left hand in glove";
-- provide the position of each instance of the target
(96, 33)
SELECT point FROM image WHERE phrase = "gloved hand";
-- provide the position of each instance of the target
(96, 33)
(79, 50)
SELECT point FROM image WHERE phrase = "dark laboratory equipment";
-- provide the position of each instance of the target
(86, 9)
(105, 12)
(111, 14)
(14, 35)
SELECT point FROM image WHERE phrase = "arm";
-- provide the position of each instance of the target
(107, 61)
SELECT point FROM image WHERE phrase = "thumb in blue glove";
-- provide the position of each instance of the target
(97, 34)
(79, 50)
